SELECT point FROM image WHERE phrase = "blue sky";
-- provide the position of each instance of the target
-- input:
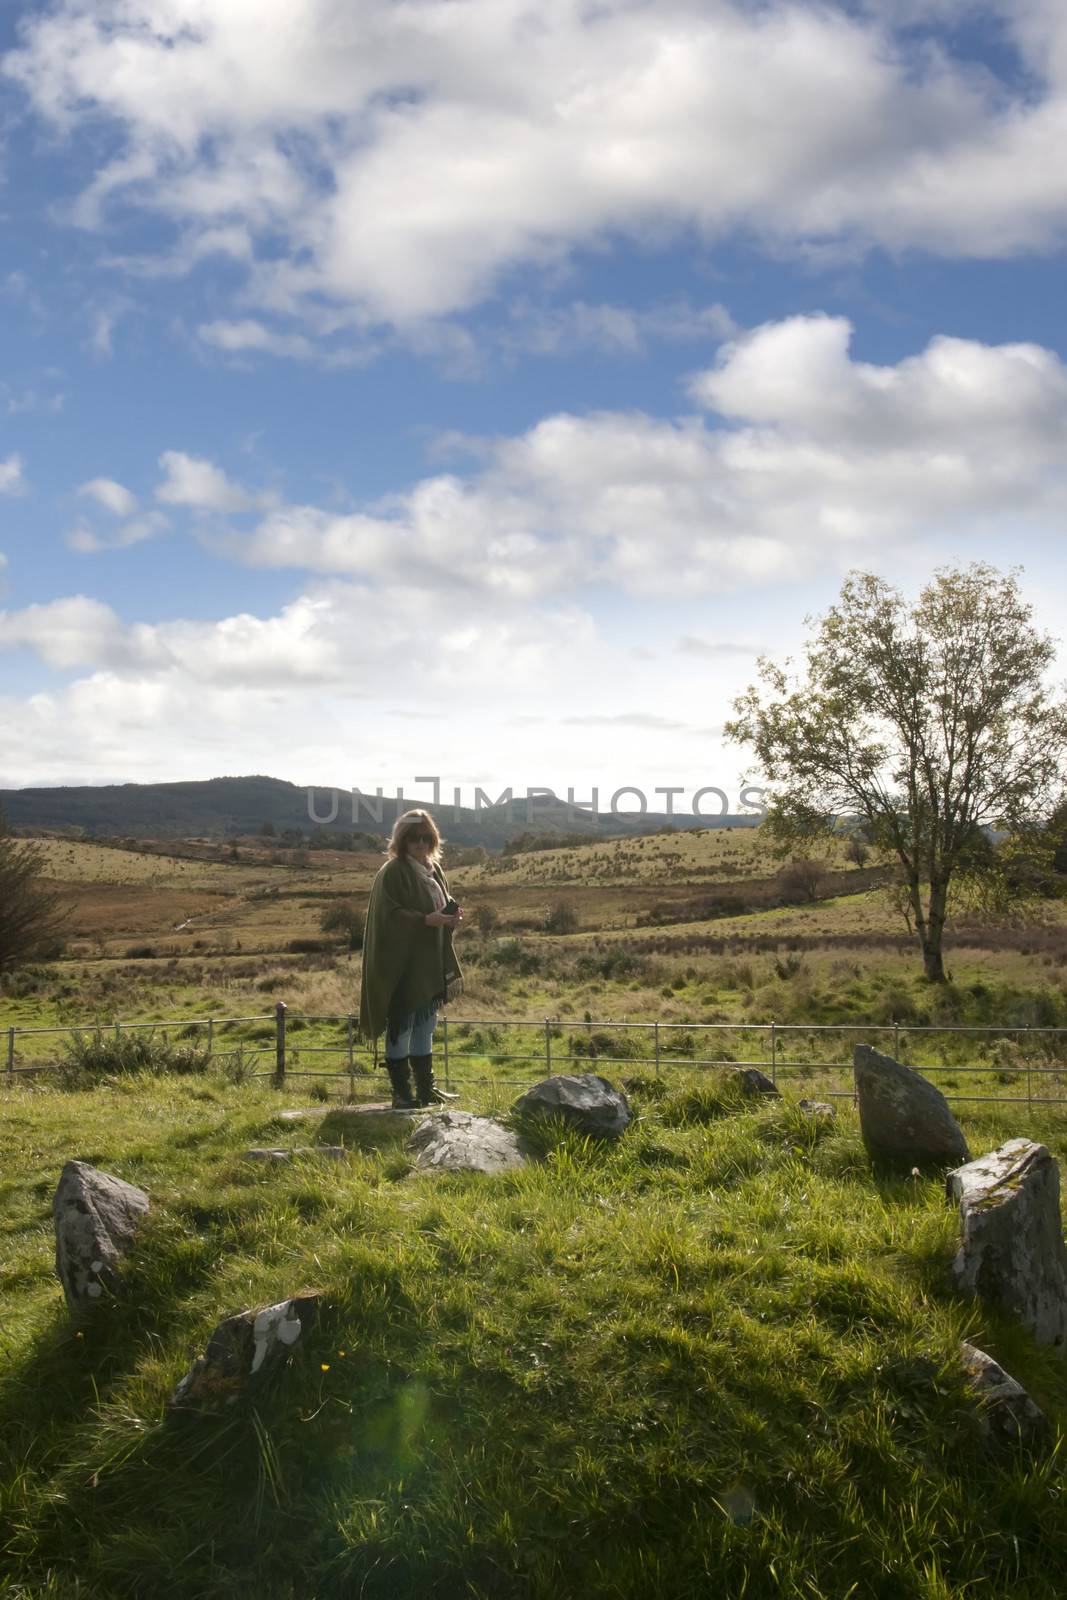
(473, 387)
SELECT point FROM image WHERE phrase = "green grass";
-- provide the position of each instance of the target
(718, 1358)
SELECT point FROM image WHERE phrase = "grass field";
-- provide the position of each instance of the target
(719, 1358)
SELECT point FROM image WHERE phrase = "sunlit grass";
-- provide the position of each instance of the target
(716, 1358)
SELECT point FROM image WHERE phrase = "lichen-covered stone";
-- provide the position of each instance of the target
(1012, 1253)
(904, 1120)
(1007, 1410)
(818, 1110)
(589, 1103)
(96, 1216)
(242, 1350)
(457, 1141)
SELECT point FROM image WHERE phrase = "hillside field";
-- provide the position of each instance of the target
(720, 1357)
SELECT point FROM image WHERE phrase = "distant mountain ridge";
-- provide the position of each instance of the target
(221, 807)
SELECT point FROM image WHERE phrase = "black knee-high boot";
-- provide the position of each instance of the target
(400, 1081)
(426, 1091)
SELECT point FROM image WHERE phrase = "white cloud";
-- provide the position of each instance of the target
(240, 338)
(11, 479)
(114, 497)
(408, 156)
(198, 484)
(612, 329)
(85, 541)
(826, 461)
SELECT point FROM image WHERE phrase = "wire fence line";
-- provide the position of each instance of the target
(1032, 1061)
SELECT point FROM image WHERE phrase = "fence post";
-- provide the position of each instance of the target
(351, 1062)
(279, 1033)
(774, 1054)
(896, 1041)
(1029, 1090)
(210, 1038)
(548, 1049)
(10, 1049)
(655, 1041)
(444, 1043)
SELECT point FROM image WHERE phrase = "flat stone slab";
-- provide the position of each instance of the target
(243, 1349)
(1007, 1410)
(1012, 1253)
(458, 1141)
(96, 1216)
(589, 1103)
(331, 1152)
(904, 1120)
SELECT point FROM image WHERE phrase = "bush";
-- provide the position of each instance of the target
(140, 952)
(560, 918)
(345, 918)
(92, 1058)
(513, 955)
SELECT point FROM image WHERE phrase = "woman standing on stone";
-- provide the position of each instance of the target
(409, 966)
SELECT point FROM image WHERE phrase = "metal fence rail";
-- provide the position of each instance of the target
(469, 1050)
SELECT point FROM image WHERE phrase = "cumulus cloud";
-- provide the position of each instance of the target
(11, 479)
(810, 459)
(201, 486)
(114, 497)
(409, 156)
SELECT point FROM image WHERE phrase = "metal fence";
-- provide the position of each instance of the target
(1029, 1061)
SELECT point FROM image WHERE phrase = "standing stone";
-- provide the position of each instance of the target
(904, 1120)
(1007, 1410)
(588, 1103)
(457, 1141)
(95, 1218)
(1012, 1253)
(243, 1349)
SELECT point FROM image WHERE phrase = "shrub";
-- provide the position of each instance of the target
(513, 955)
(346, 918)
(560, 918)
(140, 952)
(92, 1058)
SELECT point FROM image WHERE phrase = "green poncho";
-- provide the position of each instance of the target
(407, 967)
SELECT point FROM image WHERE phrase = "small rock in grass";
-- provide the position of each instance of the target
(1007, 1410)
(818, 1110)
(1012, 1253)
(457, 1141)
(587, 1102)
(751, 1081)
(242, 1350)
(96, 1216)
(904, 1120)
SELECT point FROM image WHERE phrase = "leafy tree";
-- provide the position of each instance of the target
(927, 724)
(858, 850)
(30, 914)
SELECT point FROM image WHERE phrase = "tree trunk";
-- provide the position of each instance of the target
(933, 964)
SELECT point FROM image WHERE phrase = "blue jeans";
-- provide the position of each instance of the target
(414, 1038)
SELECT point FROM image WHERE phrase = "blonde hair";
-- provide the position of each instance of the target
(413, 822)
